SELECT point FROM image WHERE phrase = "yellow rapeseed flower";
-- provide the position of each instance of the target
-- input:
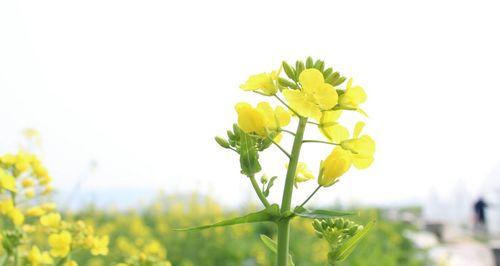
(7, 181)
(315, 95)
(16, 216)
(100, 246)
(302, 174)
(51, 220)
(265, 83)
(262, 118)
(71, 263)
(28, 182)
(329, 127)
(6, 205)
(361, 148)
(36, 258)
(60, 244)
(35, 211)
(334, 166)
(353, 96)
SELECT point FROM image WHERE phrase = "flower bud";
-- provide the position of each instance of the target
(222, 142)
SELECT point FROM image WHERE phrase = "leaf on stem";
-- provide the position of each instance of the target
(348, 247)
(319, 214)
(269, 214)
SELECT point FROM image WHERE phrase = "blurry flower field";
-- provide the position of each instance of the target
(34, 232)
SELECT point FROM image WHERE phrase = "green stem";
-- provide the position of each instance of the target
(319, 141)
(259, 192)
(287, 106)
(310, 196)
(284, 224)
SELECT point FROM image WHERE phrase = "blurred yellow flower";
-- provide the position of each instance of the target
(16, 216)
(51, 220)
(28, 182)
(60, 244)
(35, 211)
(100, 245)
(7, 181)
(266, 83)
(314, 97)
(71, 263)
(35, 257)
(6, 205)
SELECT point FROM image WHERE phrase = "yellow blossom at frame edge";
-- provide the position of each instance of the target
(35, 257)
(7, 181)
(315, 96)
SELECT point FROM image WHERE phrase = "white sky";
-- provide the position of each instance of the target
(143, 86)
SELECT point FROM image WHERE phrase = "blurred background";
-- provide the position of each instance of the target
(126, 97)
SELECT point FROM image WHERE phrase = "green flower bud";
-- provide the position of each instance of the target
(222, 142)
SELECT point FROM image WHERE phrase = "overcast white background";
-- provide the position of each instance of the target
(142, 87)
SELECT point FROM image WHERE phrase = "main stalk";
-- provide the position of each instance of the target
(284, 225)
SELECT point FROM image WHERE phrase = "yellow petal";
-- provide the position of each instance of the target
(298, 102)
(262, 81)
(326, 96)
(334, 166)
(311, 79)
(250, 120)
(332, 130)
(357, 129)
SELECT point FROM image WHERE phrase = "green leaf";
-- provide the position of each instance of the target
(286, 83)
(327, 72)
(267, 215)
(273, 247)
(348, 247)
(309, 62)
(299, 67)
(289, 71)
(249, 158)
(319, 214)
(319, 65)
(338, 81)
(332, 78)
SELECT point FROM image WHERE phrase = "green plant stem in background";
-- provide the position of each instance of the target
(284, 224)
(259, 192)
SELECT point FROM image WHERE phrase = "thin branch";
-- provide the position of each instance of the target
(319, 141)
(314, 123)
(281, 148)
(310, 196)
(259, 192)
(288, 131)
(287, 106)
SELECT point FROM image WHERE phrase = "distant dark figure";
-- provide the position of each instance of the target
(480, 215)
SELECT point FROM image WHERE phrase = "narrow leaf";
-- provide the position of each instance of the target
(319, 214)
(289, 71)
(348, 247)
(309, 62)
(260, 216)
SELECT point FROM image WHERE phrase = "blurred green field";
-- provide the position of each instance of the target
(148, 232)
